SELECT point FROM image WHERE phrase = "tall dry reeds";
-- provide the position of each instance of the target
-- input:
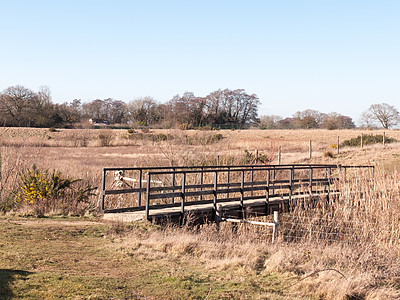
(11, 163)
(344, 247)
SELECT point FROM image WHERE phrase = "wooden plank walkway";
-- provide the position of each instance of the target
(203, 213)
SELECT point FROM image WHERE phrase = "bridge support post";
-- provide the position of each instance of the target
(275, 227)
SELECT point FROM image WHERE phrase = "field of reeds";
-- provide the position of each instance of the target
(345, 248)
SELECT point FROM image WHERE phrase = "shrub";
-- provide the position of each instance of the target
(159, 137)
(216, 137)
(105, 138)
(44, 192)
(250, 158)
(368, 139)
(145, 130)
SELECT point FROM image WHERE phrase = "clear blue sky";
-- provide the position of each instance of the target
(337, 56)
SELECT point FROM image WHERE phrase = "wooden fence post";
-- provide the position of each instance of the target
(279, 155)
(338, 145)
(310, 150)
(383, 139)
(275, 227)
(362, 142)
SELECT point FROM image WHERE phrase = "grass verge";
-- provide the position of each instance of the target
(80, 259)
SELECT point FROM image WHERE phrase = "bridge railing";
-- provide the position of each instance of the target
(187, 186)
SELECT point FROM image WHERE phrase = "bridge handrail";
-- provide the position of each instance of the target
(254, 185)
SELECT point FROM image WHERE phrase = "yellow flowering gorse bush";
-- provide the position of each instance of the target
(37, 186)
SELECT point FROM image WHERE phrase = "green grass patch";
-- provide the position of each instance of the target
(76, 258)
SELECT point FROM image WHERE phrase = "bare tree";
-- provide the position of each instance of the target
(108, 109)
(143, 111)
(387, 115)
(366, 120)
(308, 118)
(269, 122)
(232, 107)
(70, 112)
(336, 121)
(15, 104)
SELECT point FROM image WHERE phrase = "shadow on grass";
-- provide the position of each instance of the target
(7, 276)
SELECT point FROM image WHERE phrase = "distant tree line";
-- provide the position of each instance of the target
(377, 115)
(20, 106)
(226, 108)
(308, 119)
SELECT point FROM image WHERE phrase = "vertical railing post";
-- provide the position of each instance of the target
(148, 196)
(183, 195)
(201, 182)
(215, 198)
(173, 184)
(242, 193)
(252, 179)
(275, 227)
(329, 182)
(291, 183)
(267, 193)
(103, 188)
(228, 181)
(310, 179)
(140, 186)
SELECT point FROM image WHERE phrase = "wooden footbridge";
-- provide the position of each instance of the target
(198, 194)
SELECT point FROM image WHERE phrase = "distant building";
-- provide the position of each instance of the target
(99, 122)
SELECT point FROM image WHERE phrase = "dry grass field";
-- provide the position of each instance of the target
(346, 249)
